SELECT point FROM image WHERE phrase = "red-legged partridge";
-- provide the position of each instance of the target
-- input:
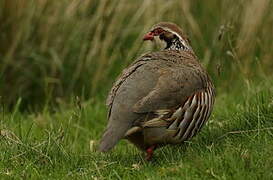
(163, 97)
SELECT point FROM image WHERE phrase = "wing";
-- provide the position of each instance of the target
(173, 88)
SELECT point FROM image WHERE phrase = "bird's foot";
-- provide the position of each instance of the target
(150, 152)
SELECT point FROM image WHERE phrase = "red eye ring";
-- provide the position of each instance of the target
(158, 31)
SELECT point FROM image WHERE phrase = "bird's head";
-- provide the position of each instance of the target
(171, 34)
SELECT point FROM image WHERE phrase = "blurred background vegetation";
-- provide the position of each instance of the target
(51, 51)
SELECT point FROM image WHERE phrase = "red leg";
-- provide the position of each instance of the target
(150, 152)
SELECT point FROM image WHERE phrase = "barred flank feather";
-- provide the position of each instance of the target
(187, 119)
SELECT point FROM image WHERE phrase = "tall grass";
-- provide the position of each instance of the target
(51, 50)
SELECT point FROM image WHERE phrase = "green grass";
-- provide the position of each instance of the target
(237, 143)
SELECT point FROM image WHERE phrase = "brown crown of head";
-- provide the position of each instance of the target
(166, 31)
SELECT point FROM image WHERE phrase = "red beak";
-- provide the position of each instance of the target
(148, 36)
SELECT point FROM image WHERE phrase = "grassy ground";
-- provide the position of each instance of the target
(237, 143)
(58, 60)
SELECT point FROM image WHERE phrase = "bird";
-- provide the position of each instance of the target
(163, 97)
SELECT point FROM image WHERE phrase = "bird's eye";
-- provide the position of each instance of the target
(158, 31)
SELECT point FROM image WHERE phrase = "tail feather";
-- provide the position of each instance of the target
(111, 137)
